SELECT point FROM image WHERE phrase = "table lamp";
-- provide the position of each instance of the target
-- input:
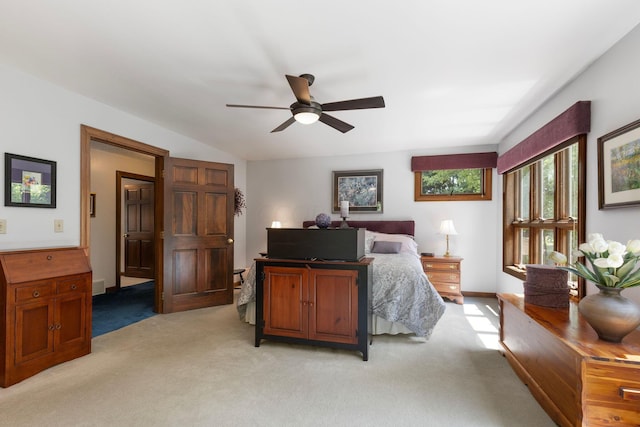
(447, 228)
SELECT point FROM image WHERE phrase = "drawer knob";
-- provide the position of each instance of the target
(629, 393)
(49, 257)
(429, 265)
(74, 287)
(452, 266)
(453, 287)
(36, 294)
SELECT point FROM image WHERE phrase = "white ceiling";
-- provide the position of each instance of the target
(452, 72)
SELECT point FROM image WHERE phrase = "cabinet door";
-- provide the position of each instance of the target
(285, 301)
(34, 330)
(70, 324)
(333, 306)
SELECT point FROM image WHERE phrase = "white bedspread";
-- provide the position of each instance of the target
(401, 293)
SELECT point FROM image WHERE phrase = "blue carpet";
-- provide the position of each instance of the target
(117, 310)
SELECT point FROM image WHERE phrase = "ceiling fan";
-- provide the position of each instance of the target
(306, 110)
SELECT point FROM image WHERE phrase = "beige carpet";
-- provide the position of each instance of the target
(200, 368)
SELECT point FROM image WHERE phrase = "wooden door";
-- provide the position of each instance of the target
(198, 234)
(333, 305)
(139, 239)
(286, 301)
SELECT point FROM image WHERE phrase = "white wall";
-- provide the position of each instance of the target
(612, 86)
(42, 120)
(292, 191)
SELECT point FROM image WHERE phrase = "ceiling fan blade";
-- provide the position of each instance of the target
(355, 104)
(300, 88)
(284, 125)
(335, 123)
(257, 106)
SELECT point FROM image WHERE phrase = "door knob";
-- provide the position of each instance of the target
(125, 235)
(229, 240)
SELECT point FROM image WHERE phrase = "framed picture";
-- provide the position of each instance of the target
(619, 167)
(362, 189)
(92, 204)
(29, 182)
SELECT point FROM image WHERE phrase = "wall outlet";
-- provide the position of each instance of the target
(58, 225)
(3, 226)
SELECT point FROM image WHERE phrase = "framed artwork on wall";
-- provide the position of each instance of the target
(362, 189)
(619, 167)
(29, 182)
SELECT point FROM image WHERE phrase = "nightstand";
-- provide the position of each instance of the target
(444, 275)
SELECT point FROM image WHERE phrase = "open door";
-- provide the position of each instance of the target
(198, 234)
(139, 236)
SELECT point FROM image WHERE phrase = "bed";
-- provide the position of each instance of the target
(403, 299)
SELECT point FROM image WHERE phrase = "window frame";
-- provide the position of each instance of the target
(485, 195)
(562, 224)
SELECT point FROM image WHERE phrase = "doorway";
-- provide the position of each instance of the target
(193, 223)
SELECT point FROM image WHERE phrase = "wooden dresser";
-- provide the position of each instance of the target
(324, 303)
(45, 296)
(444, 275)
(578, 379)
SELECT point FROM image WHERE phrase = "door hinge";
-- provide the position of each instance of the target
(162, 296)
(162, 174)
(262, 276)
(162, 234)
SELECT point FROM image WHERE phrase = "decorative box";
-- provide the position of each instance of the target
(546, 286)
(332, 244)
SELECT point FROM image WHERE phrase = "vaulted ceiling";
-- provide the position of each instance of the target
(452, 72)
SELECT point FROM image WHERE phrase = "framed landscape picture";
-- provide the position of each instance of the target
(29, 182)
(619, 167)
(362, 189)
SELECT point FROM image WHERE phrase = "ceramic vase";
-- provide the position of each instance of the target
(610, 314)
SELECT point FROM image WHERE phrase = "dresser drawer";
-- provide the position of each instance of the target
(437, 276)
(449, 266)
(34, 292)
(446, 287)
(612, 394)
(73, 284)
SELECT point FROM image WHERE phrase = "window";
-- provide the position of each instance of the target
(453, 184)
(544, 209)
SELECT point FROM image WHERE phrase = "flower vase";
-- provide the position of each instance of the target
(611, 315)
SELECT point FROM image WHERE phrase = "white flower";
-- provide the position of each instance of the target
(597, 242)
(633, 246)
(558, 258)
(616, 248)
(612, 261)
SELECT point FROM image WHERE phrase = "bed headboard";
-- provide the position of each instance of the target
(389, 227)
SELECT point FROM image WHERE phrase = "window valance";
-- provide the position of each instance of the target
(574, 121)
(454, 161)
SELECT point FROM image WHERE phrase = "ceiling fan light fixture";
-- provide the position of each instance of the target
(306, 117)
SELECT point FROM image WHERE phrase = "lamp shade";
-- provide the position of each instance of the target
(447, 227)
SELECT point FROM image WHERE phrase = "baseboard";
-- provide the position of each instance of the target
(479, 294)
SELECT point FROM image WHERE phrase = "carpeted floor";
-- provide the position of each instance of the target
(117, 310)
(200, 368)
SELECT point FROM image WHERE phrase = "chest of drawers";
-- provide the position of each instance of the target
(444, 274)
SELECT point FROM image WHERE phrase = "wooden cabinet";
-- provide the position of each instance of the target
(313, 302)
(578, 379)
(444, 274)
(46, 300)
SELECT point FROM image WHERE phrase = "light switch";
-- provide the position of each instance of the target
(58, 225)
(3, 226)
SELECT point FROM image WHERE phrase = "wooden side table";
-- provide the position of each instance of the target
(444, 274)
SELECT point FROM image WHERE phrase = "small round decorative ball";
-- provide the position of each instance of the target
(323, 220)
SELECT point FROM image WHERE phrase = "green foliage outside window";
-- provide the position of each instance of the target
(452, 181)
